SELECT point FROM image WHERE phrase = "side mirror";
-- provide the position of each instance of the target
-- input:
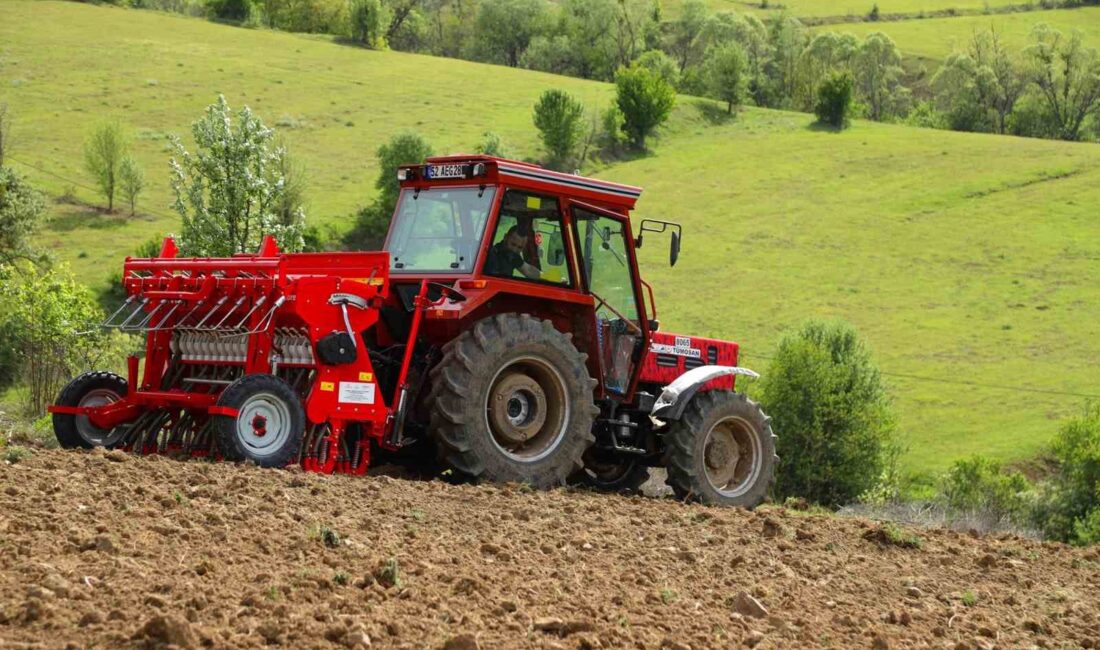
(674, 249)
(638, 241)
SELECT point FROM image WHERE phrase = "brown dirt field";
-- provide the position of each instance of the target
(107, 550)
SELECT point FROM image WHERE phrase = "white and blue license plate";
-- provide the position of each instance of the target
(446, 171)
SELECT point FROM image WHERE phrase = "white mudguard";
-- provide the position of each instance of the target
(693, 379)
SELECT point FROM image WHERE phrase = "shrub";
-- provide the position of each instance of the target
(52, 322)
(834, 100)
(131, 180)
(238, 11)
(491, 145)
(1069, 508)
(978, 485)
(645, 99)
(369, 20)
(831, 413)
(21, 210)
(558, 117)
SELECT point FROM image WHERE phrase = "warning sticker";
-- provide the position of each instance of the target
(327, 386)
(356, 392)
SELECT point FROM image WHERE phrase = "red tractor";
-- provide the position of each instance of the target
(505, 331)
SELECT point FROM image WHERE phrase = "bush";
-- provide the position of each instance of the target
(1069, 508)
(372, 221)
(238, 11)
(834, 100)
(977, 485)
(369, 20)
(831, 413)
(558, 117)
(645, 99)
(727, 74)
(52, 323)
(21, 210)
(491, 145)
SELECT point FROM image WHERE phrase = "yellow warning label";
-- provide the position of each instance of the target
(328, 386)
(534, 202)
(366, 376)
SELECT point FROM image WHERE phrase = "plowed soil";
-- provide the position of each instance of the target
(107, 550)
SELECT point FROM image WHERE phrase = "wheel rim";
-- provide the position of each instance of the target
(527, 409)
(732, 456)
(263, 424)
(92, 434)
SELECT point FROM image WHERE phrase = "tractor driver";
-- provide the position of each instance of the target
(506, 256)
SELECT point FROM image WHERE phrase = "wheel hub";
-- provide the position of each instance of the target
(517, 408)
(88, 431)
(527, 409)
(731, 456)
(263, 423)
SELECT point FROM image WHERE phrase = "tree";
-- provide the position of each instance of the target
(1067, 75)
(877, 68)
(228, 192)
(826, 53)
(372, 221)
(238, 11)
(103, 154)
(504, 28)
(131, 180)
(292, 200)
(369, 21)
(21, 209)
(786, 41)
(558, 117)
(834, 100)
(646, 101)
(727, 74)
(978, 89)
(831, 411)
(686, 41)
(662, 64)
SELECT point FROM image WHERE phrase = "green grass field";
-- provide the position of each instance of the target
(935, 38)
(964, 259)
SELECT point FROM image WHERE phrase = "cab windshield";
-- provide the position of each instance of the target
(438, 230)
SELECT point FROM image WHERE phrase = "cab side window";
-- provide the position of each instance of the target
(529, 241)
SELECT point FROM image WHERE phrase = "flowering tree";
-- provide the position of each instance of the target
(229, 191)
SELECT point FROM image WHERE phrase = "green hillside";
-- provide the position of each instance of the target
(858, 9)
(935, 38)
(965, 259)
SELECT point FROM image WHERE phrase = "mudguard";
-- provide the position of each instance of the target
(675, 397)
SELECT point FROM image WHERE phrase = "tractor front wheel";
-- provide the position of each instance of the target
(87, 390)
(512, 401)
(722, 451)
(269, 423)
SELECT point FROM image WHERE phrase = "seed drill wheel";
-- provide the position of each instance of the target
(269, 424)
(89, 389)
(512, 401)
(722, 451)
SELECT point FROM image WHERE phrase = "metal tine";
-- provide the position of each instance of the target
(265, 322)
(240, 301)
(183, 319)
(213, 310)
(165, 318)
(149, 317)
(137, 310)
(259, 301)
(107, 323)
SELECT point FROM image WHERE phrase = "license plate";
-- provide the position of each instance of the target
(446, 171)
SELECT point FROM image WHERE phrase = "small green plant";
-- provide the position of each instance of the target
(325, 535)
(341, 578)
(15, 454)
(389, 574)
(891, 535)
(874, 13)
(273, 594)
(969, 599)
(178, 497)
(418, 515)
(668, 596)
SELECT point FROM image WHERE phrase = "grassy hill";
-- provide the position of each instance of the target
(935, 38)
(968, 261)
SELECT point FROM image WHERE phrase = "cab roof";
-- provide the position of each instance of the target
(519, 174)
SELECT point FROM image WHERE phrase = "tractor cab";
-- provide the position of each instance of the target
(509, 236)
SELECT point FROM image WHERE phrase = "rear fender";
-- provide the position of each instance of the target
(676, 396)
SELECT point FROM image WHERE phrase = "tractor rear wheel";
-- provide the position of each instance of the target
(89, 389)
(722, 451)
(269, 424)
(512, 401)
